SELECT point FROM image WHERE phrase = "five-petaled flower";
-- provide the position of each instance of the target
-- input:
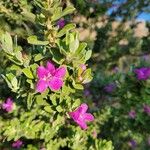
(17, 144)
(8, 105)
(142, 73)
(81, 117)
(50, 77)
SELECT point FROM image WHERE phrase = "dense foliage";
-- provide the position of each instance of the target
(42, 80)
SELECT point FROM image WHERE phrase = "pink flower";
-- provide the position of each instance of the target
(17, 144)
(81, 117)
(146, 109)
(8, 105)
(132, 114)
(50, 77)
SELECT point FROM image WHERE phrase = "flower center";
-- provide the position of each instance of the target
(81, 116)
(48, 77)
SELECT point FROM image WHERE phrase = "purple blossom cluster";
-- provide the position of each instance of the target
(146, 109)
(132, 143)
(142, 73)
(110, 88)
(17, 144)
(61, 23)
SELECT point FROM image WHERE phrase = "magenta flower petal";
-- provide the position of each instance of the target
(41, 86)
(17, 144)
(60, 72)
(55, 83)
(82, 124)
(8, 105)
(50, 77)
(88, 117)
(83, 108)
(50, 67)
(81, 117)
(61, 23)
(41, 72)
(142, 73)
(74, 115)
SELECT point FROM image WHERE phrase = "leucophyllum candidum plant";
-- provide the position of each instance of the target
(128, 124)
(42, 106)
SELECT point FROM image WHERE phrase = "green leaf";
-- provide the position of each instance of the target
(33, 40)
(15, 67)
(45, 93)
(65, 29)
(14, 83)
(87, 76)
(77, 86)
(7, 43)
(73, 46)
(28, 15)
(31, 83)
(59, 120)
(18, 55)
(81, 48)
(68, 10)
(7, 81)
(28, 73)
(57, 56)
(29, 100)
(38, 126)
(53, 98)
(58, 13)
(40, 100)
(59, 108)
(66, 90)
(10, 76)
(88, 55)
(48, 109)
(38, 57)
(76, 103)
(103, 145)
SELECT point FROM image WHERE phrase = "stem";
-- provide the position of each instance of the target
(48, 19)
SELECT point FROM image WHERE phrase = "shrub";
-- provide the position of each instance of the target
(42, 86)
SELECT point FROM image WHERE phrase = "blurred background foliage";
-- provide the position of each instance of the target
(120, 42)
